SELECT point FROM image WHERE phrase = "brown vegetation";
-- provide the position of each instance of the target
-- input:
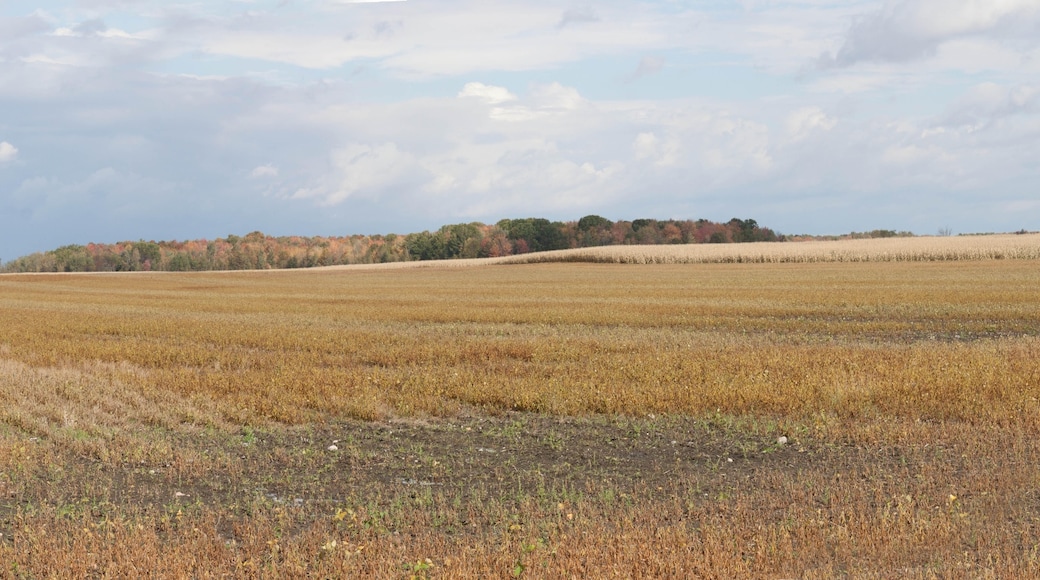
(545, 420)
(257, 251)
(895, 249)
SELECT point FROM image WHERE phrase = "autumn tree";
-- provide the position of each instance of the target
(256, 250)
(72, 258)
(594, 230)
(424, 246)
(538, 234)
(460, 239)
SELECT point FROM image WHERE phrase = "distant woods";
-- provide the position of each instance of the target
(257, 251)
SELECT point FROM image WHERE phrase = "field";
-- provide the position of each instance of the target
(899, 249)
(785, 418)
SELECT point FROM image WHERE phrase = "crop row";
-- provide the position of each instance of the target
(942, 340)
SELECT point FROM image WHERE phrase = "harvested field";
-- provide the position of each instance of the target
(541, 420)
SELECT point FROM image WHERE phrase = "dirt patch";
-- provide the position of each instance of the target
(321, 466)
(526, 490)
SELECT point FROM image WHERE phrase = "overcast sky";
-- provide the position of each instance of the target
(131, 119)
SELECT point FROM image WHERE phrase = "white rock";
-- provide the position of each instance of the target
(333, 448)
(781, 440)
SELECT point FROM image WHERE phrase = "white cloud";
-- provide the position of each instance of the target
(498, 96)
(559, 150)
(451, 38)
(97, 28)
(982, 56)
(556, 97)
(8, 152)
(645, 145)
(361, 170)
(543, 100)
(851, 83)
(49, 60)
(565, 152)
(264, 171)
(401, 115)
(316, 51)
(663, 152)
(491, 94)
(802, 122)
(989, 102)
(905, 155)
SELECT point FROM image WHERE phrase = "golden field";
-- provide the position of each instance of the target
(926, 340)
(547, 419)
(898, 249)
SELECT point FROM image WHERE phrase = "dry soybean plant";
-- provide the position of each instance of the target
(436, 421)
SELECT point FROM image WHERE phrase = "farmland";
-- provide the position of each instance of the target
(540, 419)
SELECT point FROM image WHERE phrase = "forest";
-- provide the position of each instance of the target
(258, 251)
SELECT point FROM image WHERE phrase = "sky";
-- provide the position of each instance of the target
(138, 119)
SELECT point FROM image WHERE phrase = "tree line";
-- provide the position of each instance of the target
(257, 251)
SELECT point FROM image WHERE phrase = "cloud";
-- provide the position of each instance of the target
(96, 28)
(905, 155)
(106, 191)
(497, 96)
(314, 51)
(989, 102)
(435, 39)
(556, 97)
(663, 152)
(491, 94)
(549, 147)
(362, 170)
(515, 176)
(906, 30)
(803, 121)
(648, 66)
(104, 205)
(542, 100)
(582, 15)
(325, 117)
(264, 171)
(8, 152)
(12, 28)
